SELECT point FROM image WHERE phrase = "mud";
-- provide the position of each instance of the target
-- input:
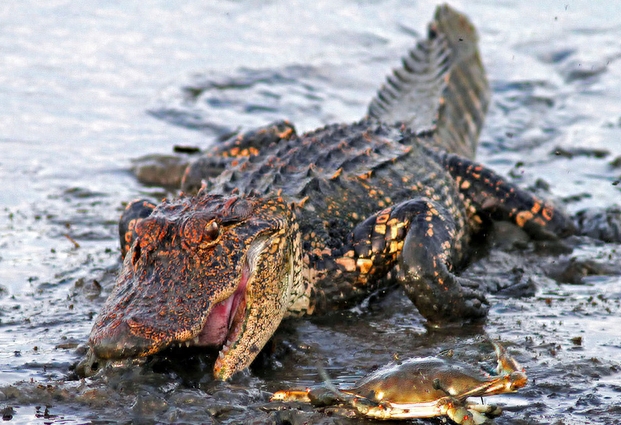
(90, 88)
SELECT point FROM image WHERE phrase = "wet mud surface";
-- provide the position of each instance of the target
(92, 89)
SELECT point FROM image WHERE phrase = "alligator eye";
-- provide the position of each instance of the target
(212, 230)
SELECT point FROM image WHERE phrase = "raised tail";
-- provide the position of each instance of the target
(441, 89)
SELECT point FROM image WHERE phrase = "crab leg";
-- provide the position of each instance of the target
(447, 406)
(387, 410)
(291, 395)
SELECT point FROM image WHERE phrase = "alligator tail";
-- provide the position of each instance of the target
(441, 89)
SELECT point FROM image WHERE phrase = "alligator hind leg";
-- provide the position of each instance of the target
(421, 238)
(134, 212)
(493, 195)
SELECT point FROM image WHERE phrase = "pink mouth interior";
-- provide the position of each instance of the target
(222, 315)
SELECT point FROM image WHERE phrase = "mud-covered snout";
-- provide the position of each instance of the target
(119, 343)
(160, 299)
(120, 349)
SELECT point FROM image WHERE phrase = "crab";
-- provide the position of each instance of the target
(421, 388)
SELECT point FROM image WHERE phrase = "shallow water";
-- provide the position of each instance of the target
(85, 87)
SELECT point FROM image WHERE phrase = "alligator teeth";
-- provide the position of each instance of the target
(195, 341)
(187, 343)
(221, 354)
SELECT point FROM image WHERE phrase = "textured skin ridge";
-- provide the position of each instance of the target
(441, 87)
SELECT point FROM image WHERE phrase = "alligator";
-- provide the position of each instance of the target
(271, 224)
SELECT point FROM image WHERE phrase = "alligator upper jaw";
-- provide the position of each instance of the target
(240, 312)
(118, 337)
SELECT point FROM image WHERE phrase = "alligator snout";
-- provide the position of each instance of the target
(119, 343)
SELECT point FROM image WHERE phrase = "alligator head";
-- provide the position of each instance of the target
(209, 270)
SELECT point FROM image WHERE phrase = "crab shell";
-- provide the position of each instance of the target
(423, 388)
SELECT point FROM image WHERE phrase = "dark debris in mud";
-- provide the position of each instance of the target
(573, 152)
(160, 170)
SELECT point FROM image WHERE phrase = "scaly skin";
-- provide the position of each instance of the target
(286, 225)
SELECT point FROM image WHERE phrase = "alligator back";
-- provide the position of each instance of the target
(440, 94)
(335, 179)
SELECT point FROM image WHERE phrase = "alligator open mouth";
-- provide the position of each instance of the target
(224, 321)
(146, 333)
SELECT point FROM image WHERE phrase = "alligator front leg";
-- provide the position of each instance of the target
(422, 240)
(426, 267)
